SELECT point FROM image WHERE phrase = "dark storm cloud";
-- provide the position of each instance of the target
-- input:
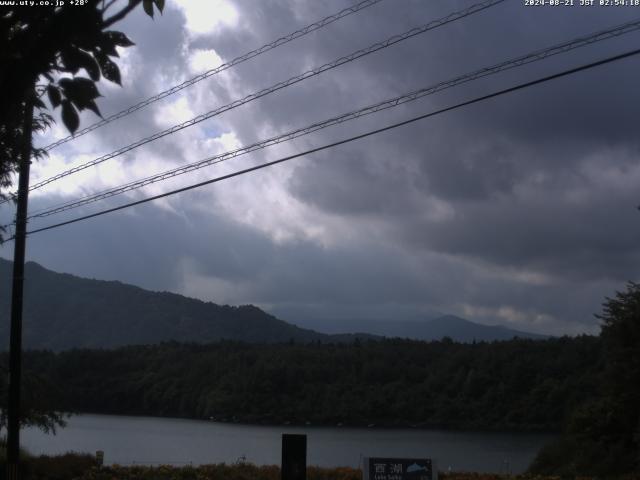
(327, 189)
(479, 160)
(598, 239)
(144, 252)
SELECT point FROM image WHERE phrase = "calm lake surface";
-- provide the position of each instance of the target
(147, 440)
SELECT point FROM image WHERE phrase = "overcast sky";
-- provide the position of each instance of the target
(520, 211)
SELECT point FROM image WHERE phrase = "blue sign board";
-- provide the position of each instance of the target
(399, 469)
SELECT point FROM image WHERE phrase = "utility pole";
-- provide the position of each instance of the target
(15, 345)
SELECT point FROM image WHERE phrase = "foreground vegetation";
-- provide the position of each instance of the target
(83, 467)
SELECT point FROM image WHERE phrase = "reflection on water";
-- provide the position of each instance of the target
(146, 440)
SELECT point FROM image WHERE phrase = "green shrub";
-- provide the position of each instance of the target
(59, 467)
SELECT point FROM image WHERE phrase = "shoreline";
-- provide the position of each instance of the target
(352, 426)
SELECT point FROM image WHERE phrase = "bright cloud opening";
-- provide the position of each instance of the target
(208, 16)
(204, 60)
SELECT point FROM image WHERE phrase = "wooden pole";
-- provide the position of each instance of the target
(15, 345)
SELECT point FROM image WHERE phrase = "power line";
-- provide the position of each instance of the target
(386, 104)
(278, 86)
(350, 139)
(243, 58)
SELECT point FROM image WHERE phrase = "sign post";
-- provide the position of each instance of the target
(294, 457)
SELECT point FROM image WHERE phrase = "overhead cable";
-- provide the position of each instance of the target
(521, 86)
(225, 66)
(526, 59)
(278, 86)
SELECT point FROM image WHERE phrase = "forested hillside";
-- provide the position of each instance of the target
(520, 384)
(63, 311)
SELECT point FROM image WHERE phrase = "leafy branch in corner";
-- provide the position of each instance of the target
(49, 54)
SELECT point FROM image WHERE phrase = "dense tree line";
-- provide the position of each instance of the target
(602, 435)
(520, 384)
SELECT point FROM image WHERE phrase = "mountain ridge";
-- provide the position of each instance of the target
(64, 311)
(74, 312)
(457, 328)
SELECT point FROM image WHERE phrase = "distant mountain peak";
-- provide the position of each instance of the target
(451, 326)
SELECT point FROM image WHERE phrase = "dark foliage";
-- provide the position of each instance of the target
(37, 396)
(520, 384)
(59, 467)
(603, 435)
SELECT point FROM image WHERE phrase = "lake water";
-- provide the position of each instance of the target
(147, 440)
